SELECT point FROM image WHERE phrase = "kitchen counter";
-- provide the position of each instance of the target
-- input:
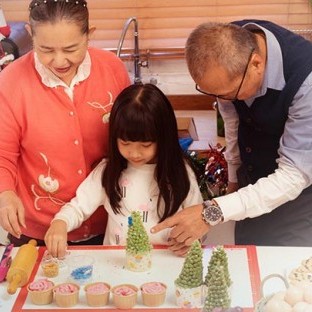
(247, 265)
(206, 126)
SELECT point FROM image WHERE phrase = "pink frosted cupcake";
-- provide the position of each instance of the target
(153, 293)
(125, 296)
(66, 294)
(41, 291)
(97, 294)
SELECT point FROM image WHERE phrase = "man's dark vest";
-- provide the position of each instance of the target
(262, 125)
(260, 129)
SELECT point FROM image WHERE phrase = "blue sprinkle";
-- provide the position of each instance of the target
(82, 273)
(130, 221)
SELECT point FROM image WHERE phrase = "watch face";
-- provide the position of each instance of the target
(212, 214)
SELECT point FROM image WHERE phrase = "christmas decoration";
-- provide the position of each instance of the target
(192, 271)
(138, 246)
(218, 292)
(218, 258)
(5, 31)
(211, 171)
(189, 283)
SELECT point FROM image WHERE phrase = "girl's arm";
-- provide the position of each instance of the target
(89, 196)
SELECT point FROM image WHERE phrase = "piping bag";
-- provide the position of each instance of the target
(5, 261)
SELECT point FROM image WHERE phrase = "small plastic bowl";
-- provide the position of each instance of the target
(50, 267)
(81, 269)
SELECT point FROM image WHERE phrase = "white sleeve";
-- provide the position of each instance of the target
(268, 193)
(194, 196)
(232, 154)
(89, 196)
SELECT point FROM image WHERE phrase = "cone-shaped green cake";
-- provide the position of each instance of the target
(218, 258)
(218, 291)
(192, 271)
(137, 238)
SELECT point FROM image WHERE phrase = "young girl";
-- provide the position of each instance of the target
(145, 171)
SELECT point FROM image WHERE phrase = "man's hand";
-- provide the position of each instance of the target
(179, 249)
(187, 225)
(12, 213)
(231, 187)
(56, 239)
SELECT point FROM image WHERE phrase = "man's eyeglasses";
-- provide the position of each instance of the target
(225, 97)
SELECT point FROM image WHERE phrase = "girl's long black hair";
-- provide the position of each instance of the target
(143, 113)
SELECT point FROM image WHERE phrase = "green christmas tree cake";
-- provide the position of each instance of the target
(218, 291)
(138, 246)
(189, 283)
(218, 257)
(217, 281)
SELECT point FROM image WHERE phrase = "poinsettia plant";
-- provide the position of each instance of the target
(211, 170)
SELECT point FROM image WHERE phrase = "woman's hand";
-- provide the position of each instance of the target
(56, 239)
(187, 225)
(12, 213)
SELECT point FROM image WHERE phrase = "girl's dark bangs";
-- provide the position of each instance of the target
(136, 126)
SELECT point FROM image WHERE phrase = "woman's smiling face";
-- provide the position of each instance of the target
(61, 47)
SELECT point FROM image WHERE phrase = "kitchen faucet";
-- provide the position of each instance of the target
(136, 53)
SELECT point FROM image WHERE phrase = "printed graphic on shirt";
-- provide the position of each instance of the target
(143, 205)
(106, 107)
(46, 184)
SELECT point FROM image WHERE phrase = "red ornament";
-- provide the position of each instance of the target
(5, 31)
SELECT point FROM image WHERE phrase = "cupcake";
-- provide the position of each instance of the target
(97, 294)
(124, 296)
(66, 294)
(153, 294)
(41, 291)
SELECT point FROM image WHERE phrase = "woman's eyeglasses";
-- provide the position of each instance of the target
(225, 97)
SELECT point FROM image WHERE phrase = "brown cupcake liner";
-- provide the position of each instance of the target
(67, 300)
(153, 300)
(97, 300)
(125, 302)
(41, 297)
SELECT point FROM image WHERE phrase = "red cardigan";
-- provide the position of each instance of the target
(49, 143)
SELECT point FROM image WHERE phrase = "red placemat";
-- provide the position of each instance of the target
(242, 262)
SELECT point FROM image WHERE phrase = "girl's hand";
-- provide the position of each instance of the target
(12, 213)
(56, 239)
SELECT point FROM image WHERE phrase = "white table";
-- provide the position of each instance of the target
(279, 260)
(270, 260)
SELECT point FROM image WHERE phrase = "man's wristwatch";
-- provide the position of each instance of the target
(212, 213)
